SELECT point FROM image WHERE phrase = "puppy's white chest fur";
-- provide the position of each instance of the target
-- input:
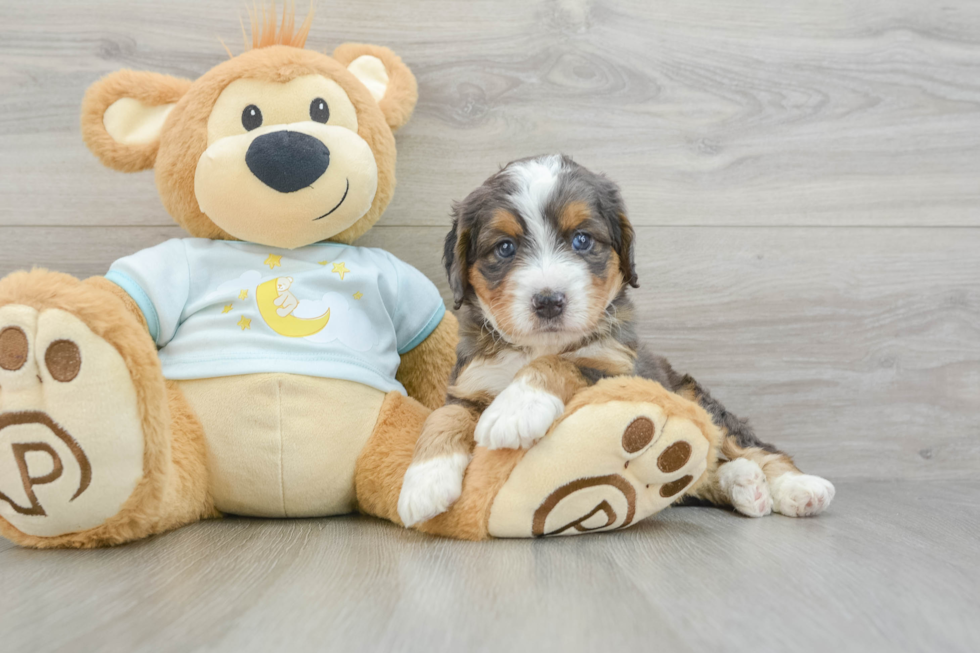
(491, 375)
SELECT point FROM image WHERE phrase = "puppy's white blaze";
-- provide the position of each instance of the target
(744, 482)
(490, 375)
(801, 495)
(431, 487)
(549, 264)
(535, 182)
(518, 417)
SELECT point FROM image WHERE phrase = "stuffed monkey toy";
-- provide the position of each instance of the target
(264, 365)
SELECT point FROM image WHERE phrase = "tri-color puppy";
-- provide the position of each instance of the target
(540, 259)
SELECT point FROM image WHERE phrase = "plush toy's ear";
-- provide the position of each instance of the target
(385, 75)
(123, 113)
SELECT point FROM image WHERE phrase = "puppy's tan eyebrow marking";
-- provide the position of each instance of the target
(573, 215)
(506, 222)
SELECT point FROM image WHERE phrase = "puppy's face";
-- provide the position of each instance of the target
(541, 248)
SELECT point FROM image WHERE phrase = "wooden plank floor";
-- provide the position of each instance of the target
(804, 181)
(871, 575)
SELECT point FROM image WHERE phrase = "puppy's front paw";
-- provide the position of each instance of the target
(518, 417)
(431, 487)
(801, 495)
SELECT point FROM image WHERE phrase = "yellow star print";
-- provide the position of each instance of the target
(340, 269)
(226, 308)
(273, 261)
(322, 262)
(245, 323)
(243, 294)
(358, 294)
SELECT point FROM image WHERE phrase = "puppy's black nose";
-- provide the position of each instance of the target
(287, 161)
(548, 304)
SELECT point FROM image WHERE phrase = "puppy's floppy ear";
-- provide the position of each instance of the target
(123, 115)
(454, 256)
(389, 80)
(613, 209)
(624, 248)
(627, 263)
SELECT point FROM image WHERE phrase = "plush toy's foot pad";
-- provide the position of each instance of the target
(71, 443)
(606, 466)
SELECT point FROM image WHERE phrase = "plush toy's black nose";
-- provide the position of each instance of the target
(548, 304)
(287, 161)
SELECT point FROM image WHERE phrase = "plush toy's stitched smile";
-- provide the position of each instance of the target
(346, 190)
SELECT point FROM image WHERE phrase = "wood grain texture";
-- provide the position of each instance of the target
(765, 113)
(804, 180)
(863, 577)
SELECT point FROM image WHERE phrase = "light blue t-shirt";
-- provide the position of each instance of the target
(221, 308)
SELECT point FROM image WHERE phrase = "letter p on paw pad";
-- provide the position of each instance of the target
(71, 445)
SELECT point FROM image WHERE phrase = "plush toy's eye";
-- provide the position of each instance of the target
(582, 242)
(251, 117)
(506, 248)
(319, 111)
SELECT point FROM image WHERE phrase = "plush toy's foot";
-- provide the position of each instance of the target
(607, 464)
(84, 421)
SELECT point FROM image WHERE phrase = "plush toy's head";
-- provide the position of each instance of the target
(280, 146)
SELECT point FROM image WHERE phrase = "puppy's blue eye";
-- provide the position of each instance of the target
(582, 242)
(506, 248)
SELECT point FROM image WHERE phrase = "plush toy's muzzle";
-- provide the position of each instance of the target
(287, 185)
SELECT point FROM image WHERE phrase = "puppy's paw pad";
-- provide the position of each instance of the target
(518, 417)
(431, 487)
(745, 484)
(801, 495)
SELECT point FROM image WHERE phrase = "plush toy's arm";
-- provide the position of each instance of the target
(104, 284)
(425, 370)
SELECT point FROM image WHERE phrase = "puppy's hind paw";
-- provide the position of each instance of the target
(745, 484)
(801, 495)
(431, 487)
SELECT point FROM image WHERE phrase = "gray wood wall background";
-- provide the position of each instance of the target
(804, 176)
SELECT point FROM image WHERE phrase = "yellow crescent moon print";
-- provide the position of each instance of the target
(291, 326)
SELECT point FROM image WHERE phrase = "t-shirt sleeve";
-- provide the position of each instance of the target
(158, 280)
(418, 306)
